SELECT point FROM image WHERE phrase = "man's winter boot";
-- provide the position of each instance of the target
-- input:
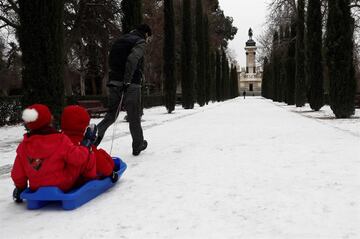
(137, 151)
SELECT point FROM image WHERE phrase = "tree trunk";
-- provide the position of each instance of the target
(339, 45)
(169, 56)
(300, 85)
(187, 82)
(41, 39)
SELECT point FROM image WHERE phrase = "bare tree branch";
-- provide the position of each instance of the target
(5, 25)
(14, 6)
(8, 22)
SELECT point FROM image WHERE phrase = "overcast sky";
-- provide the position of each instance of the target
(246, 14)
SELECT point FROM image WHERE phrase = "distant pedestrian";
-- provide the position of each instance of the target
(244, 94)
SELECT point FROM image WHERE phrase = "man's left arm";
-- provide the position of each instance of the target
(132, 61)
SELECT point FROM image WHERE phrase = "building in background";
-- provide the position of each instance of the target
(250, 77)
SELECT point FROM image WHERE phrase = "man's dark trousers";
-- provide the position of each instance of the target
(132, 103)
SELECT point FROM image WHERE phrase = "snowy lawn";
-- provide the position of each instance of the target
(237, 169)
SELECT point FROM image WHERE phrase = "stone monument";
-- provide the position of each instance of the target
(250, 78)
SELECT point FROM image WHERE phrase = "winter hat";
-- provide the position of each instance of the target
(144, 28)
(36, 116)
(74, 119)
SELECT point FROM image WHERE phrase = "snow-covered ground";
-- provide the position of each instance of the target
(237, 169)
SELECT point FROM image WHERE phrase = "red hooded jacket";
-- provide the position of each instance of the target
(74, 121)
(51, 160)
(104, 162)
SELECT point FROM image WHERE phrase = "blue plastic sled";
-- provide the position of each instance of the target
(73, 199)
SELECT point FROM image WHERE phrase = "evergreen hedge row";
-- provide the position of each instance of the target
(10, 110)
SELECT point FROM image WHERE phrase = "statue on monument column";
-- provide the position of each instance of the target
(250, 33)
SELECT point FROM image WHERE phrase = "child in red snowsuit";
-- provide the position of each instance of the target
(74, 121)
(46, 157)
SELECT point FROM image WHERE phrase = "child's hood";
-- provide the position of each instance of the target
(74, 136)
(41, 146)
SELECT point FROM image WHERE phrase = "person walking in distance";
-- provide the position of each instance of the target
(126, 62)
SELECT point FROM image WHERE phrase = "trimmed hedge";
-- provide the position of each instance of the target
(10, 110)
(153, 100)
(10, 106)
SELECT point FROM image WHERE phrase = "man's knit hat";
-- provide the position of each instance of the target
(144, 28)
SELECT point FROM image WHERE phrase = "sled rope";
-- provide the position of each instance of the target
(115, 123)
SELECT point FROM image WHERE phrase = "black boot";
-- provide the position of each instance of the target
(114, 177)
(143, 146)
(116, 168)
(16, 195)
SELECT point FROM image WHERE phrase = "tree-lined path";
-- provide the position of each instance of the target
(236, 169)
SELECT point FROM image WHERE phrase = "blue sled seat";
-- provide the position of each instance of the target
(74, 198)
